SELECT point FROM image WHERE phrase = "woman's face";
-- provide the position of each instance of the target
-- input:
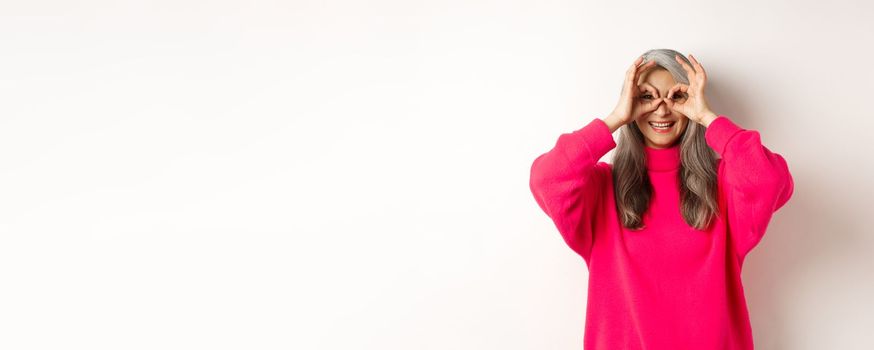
(655, 84)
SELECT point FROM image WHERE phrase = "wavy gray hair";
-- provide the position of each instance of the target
(697, 176)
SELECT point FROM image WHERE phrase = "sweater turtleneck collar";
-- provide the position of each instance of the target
(662, 159)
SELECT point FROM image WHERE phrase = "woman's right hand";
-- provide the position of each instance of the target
(630, 106)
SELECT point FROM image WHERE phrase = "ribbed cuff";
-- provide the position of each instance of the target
(597, 137)
(720, 131)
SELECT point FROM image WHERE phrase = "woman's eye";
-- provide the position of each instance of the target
(647, 96)
(678, 96)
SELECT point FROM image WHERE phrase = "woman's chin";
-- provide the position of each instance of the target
(662, 140)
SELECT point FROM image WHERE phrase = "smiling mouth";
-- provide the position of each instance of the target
(662, 127)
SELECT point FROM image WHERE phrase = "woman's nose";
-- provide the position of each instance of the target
(666, 105)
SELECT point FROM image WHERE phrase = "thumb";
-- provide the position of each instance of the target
(654, 105)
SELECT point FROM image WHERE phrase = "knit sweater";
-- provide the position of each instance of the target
(669, 285)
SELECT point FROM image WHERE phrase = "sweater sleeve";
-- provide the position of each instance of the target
(568, 182)
(755, 181)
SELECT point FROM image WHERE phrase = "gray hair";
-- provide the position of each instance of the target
(665, 58)
(697, 176)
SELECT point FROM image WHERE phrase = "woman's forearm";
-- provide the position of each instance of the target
(613, 122)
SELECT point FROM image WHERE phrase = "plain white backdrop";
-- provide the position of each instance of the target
(354, 174)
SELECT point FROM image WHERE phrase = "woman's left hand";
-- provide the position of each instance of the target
(694, 106)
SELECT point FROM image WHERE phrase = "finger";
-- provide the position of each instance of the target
(655, 104)
(689, 71)
(633, 75)
(678, 88)
(647, 66)
(646, 88)
(632, 72)
(634, 65)
(701, 77)
(670, 103)
(672, 91)
(643, 68)
(698, 66)
(644, 107)
(685, 64)
(629, 73)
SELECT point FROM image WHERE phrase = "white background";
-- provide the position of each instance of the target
(354, 175)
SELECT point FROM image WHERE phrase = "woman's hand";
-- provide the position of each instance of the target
(630, 105)
(693, 105)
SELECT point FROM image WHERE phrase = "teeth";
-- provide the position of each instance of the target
(661, 125)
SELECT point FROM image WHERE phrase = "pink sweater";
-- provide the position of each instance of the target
(668, 286)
